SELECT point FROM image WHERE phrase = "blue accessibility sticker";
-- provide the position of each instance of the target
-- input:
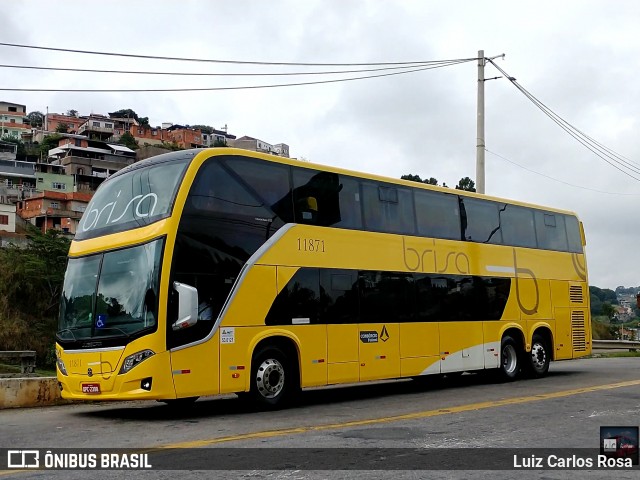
(101, 321)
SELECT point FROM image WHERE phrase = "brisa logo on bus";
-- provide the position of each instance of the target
(93, 217)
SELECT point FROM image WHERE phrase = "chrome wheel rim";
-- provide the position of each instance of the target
(270, 378)
(538, 356)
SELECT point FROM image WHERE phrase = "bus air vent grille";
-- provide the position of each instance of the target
(575, 294)
(578, 331)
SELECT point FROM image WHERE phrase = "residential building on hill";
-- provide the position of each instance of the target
(13, 120)
(256, 145)
(7, 217)
(57, 210)
(221, 136)
(53, 120)
(90, 161)
(17, 180)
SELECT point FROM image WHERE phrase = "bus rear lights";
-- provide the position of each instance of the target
(235, 375)
(133, 360)
(145, 384)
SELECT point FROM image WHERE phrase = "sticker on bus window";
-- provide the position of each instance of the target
(227, 335)
(101, 320)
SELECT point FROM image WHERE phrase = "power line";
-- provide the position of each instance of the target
(208, 60)
(557, 180)
(262, 74)
(614, 159)
(246, 87)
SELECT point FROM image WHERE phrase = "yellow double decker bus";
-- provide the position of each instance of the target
(227, 271)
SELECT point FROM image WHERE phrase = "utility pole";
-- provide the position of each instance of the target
(480, 146)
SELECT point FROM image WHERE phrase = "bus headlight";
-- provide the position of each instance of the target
(61, 366)
(134, 359)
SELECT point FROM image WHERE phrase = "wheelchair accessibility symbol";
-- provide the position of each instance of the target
(101, 321)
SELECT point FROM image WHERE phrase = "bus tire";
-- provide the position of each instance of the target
(274, 381)
(538, 360)
(510, 359)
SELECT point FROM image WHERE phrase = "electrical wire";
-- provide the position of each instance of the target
(262, 74)
(557, 180)
(246, 87)
(609, 156)
(208, 60)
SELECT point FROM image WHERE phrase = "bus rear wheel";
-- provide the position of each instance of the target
(274, 381)
(539, 358)
(510, 359)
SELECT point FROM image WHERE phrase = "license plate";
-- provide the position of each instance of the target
(91, 388)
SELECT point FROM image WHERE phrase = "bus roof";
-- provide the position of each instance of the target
(217, 151)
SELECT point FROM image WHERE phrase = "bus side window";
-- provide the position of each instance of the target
(517, 226)
(299, 301)
(269, 181)
(551, 231)
(339, 296)
(573, 234)
(437, 214)
(388, 209)
(482, 221)
(326, 199)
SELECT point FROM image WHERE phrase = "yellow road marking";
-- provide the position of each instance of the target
(397, 418)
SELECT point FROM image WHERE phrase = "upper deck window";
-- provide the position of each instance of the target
(133, 199)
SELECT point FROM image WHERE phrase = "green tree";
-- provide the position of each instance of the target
(220, 143)
(21, 151)
(467, 184)
(30, 286)
(36, 119)
(608, 310)
(204, 128)
(49, 142)
(413, 178)
(128, 141)
(72, 113)
(125, 113)
(62, 128)
(416, 178)
(144, 122)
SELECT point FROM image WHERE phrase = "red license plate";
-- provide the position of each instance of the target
(91, 388)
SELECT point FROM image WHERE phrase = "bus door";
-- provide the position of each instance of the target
(386, 298)
(194, 351)
(340, 291)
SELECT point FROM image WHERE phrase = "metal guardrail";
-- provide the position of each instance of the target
(630, 345)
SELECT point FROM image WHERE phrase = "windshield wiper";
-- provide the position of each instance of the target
(70, 330)
(127, 335)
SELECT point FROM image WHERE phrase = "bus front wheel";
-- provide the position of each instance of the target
(510, 359)
(274, 381)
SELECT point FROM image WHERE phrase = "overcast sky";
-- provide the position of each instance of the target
(581, 58)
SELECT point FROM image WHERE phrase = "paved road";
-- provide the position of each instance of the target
(564, 410)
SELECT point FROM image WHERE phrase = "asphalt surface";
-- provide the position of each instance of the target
(365, 430)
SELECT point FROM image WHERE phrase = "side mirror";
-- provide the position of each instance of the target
(187, 306)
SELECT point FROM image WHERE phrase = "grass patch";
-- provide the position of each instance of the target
(16, 369)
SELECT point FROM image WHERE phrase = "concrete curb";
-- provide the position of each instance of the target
(29, 392)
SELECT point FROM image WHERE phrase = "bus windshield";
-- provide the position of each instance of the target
(114, 294)
(132, 199)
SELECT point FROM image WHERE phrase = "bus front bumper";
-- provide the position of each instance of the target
(149, 380)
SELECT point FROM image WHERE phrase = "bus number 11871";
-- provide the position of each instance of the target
(310, 245)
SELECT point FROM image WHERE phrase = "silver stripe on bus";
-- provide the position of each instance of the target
(96, 350)
(236, 285)
(500, 269)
